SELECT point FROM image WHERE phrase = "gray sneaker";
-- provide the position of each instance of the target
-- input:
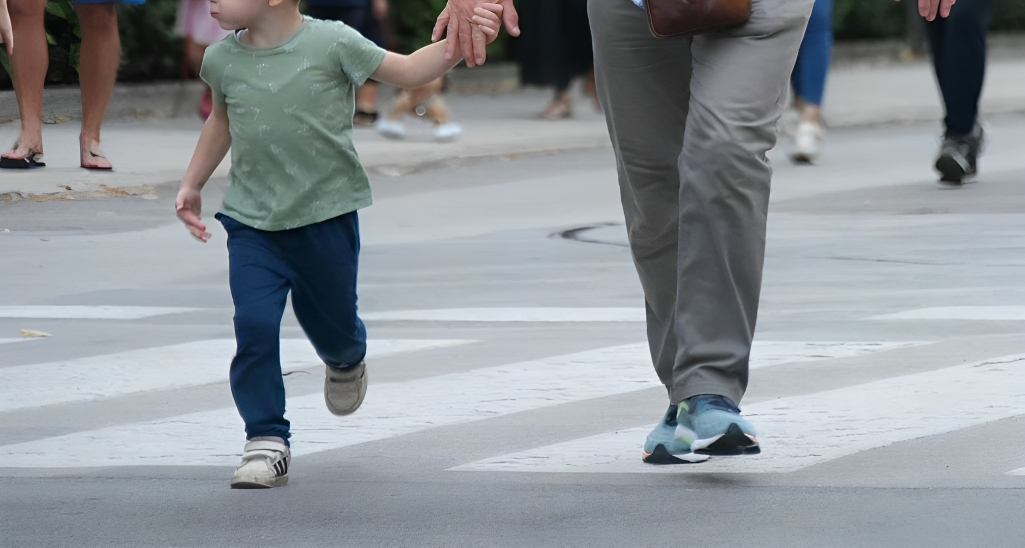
(344, 389)
(959, 155)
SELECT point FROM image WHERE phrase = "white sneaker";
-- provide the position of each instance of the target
(447, 132)
(344, 389)
(806, 143)
(264, 465)
(391, 129)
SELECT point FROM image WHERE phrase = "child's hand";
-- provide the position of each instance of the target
(488, 18)
(188, 205)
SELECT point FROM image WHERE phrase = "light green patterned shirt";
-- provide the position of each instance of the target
(290, 113)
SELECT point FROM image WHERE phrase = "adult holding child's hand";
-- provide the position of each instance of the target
(6, 34)
(464, 35)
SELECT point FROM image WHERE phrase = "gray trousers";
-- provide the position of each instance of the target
(691, 120)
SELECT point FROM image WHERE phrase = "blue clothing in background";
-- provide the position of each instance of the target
(958, 45)
(809, 76)
(317, 263)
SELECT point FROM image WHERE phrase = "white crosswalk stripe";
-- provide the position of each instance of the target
(10, 341)
(90, 312)
(976, 313)
(537, 314)
(215, 437)
(1018, 472)
(160, 368)
(802, 431)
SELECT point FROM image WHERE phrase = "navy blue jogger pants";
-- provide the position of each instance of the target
(317, 264)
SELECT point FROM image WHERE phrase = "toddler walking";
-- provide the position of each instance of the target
(283, 101)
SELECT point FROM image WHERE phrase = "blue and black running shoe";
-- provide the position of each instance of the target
(717, 427)
(668, 443)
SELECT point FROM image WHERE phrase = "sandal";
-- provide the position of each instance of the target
(28, 162)
(96, 168)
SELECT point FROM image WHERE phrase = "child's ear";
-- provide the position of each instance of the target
(276, 3)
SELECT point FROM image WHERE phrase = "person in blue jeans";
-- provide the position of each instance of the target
(809, 82)
(958, 46)
(283, 89)
(367, 17)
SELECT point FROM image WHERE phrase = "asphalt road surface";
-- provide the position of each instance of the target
(510, 387)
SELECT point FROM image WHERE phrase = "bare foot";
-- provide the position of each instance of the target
(560, 108)
(92, 155)
(25, 148)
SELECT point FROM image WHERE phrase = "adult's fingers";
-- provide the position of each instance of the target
(928, 8)
(946, 7)
(454, 38)
(440, 25)
(466, 45)
(511, 18)
(480, 45)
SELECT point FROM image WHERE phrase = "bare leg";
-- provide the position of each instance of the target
(366, 97)
(29, 62)
(810, 112)
(101, 49)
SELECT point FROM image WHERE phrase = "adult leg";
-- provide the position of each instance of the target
(643, 83)
(809, 75)
(29, 63)
(97, 69)
(738, 90)
(958, 45)
(259, 288)
(324, 259)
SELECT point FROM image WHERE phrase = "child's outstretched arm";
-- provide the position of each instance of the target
(428, 63)
(214, 142)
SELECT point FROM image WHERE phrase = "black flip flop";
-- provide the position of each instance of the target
(95, 168)
(27, 162)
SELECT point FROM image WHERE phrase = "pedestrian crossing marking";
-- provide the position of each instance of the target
(90, 312)
(802, 431)
(215, 437)
(161, 368)
(976, 313)
(1018, 472)
(535, 314)
(10, 341)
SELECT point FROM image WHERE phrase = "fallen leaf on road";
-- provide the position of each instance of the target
(34, 333)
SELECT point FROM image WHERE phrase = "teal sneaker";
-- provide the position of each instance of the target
(669, 443)
(716, 427)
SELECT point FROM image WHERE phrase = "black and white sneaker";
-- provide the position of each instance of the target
(958, 159)
(264, 465)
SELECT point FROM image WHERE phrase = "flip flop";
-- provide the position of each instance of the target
(28, 162)
(96, 168)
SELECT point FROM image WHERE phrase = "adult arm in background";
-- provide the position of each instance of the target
(464, 35)
(931, 8)
(6, 33)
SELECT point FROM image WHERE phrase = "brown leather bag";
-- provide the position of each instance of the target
(689, 17)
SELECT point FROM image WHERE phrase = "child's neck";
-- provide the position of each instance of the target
(275, 26)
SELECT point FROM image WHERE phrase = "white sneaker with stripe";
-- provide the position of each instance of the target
(264, 465)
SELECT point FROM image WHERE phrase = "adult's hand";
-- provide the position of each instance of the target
(6, 33)
(931, 8)
(464, 35)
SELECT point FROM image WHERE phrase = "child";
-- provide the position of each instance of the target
(283, 90)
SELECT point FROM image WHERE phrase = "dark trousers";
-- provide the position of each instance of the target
(317, 264)
(958, 45)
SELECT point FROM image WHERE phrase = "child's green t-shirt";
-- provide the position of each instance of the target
(290, 114)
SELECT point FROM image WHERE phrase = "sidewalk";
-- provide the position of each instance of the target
(499, 123)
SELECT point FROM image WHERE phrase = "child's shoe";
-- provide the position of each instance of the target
(718, 427)
(447, 132)
(392, 129)
(669, 442)
(344, 389)
(264, 465)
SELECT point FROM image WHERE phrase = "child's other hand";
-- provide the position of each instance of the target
(489, 18)
(188, 205)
